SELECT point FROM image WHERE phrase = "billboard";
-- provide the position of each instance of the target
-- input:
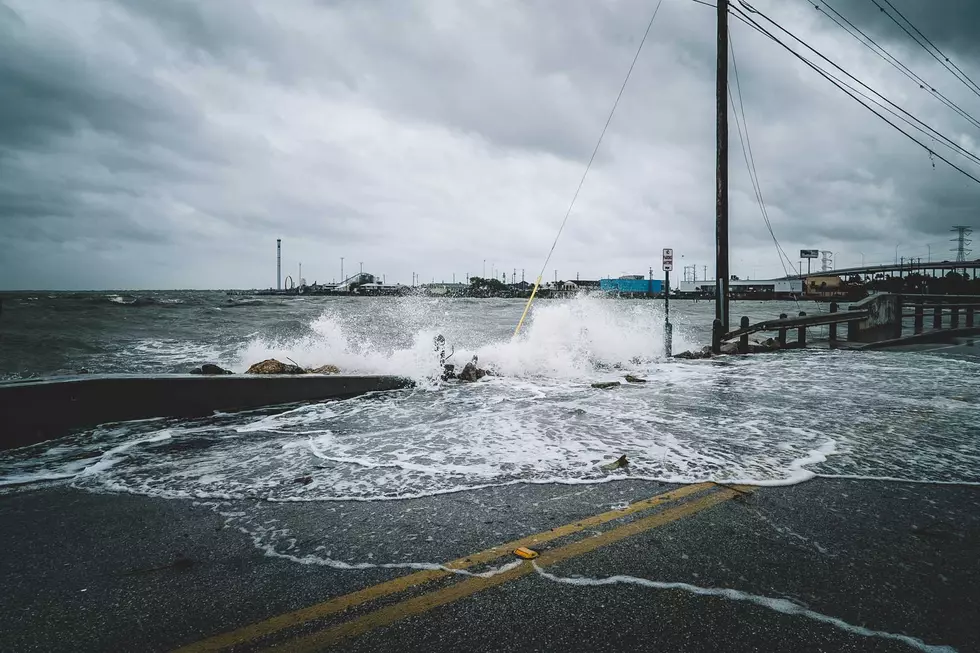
(809, 253)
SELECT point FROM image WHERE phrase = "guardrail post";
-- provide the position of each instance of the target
(969, 317)
(954, 317)
(919, 317)
(743, 342)
(833, 327)
(937, 317)
(899, 309)
(716, 329)
(782, 333)
(801, 334)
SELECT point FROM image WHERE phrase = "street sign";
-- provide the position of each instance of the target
(668, 259)
(809, 253)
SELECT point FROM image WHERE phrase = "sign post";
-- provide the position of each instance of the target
(809, 255)
(668, 260)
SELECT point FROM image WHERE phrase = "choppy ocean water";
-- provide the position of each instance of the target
(765, 419)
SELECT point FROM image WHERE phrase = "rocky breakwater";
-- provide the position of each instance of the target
(269, 366)
(732, 348)
(273, 366)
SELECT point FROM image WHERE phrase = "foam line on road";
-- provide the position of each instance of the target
(783, 606)
(893, 479)
(400, 584)
(428, 601)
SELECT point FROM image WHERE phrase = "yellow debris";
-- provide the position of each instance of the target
(526, 553)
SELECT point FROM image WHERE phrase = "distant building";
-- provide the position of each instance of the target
(442, 289)
(588, 284)
(561, 286)
(823, 285)
(748, 288)
(632, 285)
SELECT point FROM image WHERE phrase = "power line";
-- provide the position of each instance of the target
(940, 57)
(911, 120)
(602, 134)
(873, 45)
(852, 93)
(588, 167)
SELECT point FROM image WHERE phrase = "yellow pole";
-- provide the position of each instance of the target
(528, 305)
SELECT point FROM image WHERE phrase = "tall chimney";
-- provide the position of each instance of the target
(278, 263)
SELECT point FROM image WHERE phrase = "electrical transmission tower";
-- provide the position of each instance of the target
(826, 260)
(961, 241)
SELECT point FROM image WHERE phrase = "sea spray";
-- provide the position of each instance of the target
(570, 339)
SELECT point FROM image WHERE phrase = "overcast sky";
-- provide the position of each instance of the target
(167, 144)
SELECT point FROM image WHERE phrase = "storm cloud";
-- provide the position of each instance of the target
(168, 144)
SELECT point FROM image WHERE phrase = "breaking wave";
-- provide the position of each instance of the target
(566, 340)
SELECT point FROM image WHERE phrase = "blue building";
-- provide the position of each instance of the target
(632, 285)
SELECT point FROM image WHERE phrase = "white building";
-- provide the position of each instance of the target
(755, 286)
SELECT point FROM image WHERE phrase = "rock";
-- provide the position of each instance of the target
(448, 372)
(694, 355)
(303, 480)
(272, 366)
(210, 370)
(324, 369)
(729, 348)
(634, 379)
(471, 373)
(617, 464)
(606, 385)
(763, 346)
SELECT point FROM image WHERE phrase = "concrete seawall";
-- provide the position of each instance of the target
(35, 411)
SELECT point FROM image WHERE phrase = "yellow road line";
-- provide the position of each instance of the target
(426, 602)
(402, 583)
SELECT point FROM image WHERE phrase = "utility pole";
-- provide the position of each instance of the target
(362, 268)
(668, 265)
(721, 168)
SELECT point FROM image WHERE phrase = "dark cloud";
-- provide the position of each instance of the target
(950, 24)
(428, 136)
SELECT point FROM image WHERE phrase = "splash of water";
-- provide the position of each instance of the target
(571, 339)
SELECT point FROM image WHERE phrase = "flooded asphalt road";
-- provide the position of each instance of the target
(826, 565)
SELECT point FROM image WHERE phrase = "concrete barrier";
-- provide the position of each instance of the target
(884, 319)
(35, 411)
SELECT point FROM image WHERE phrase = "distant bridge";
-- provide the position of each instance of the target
(907, 267)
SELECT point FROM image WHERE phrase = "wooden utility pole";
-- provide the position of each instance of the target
(721, 170)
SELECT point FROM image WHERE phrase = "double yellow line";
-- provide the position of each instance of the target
(712, 495)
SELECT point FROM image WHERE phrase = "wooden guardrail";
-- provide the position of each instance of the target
(877, 318)
(783, 325)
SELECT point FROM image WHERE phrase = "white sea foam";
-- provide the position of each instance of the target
(782, 606)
